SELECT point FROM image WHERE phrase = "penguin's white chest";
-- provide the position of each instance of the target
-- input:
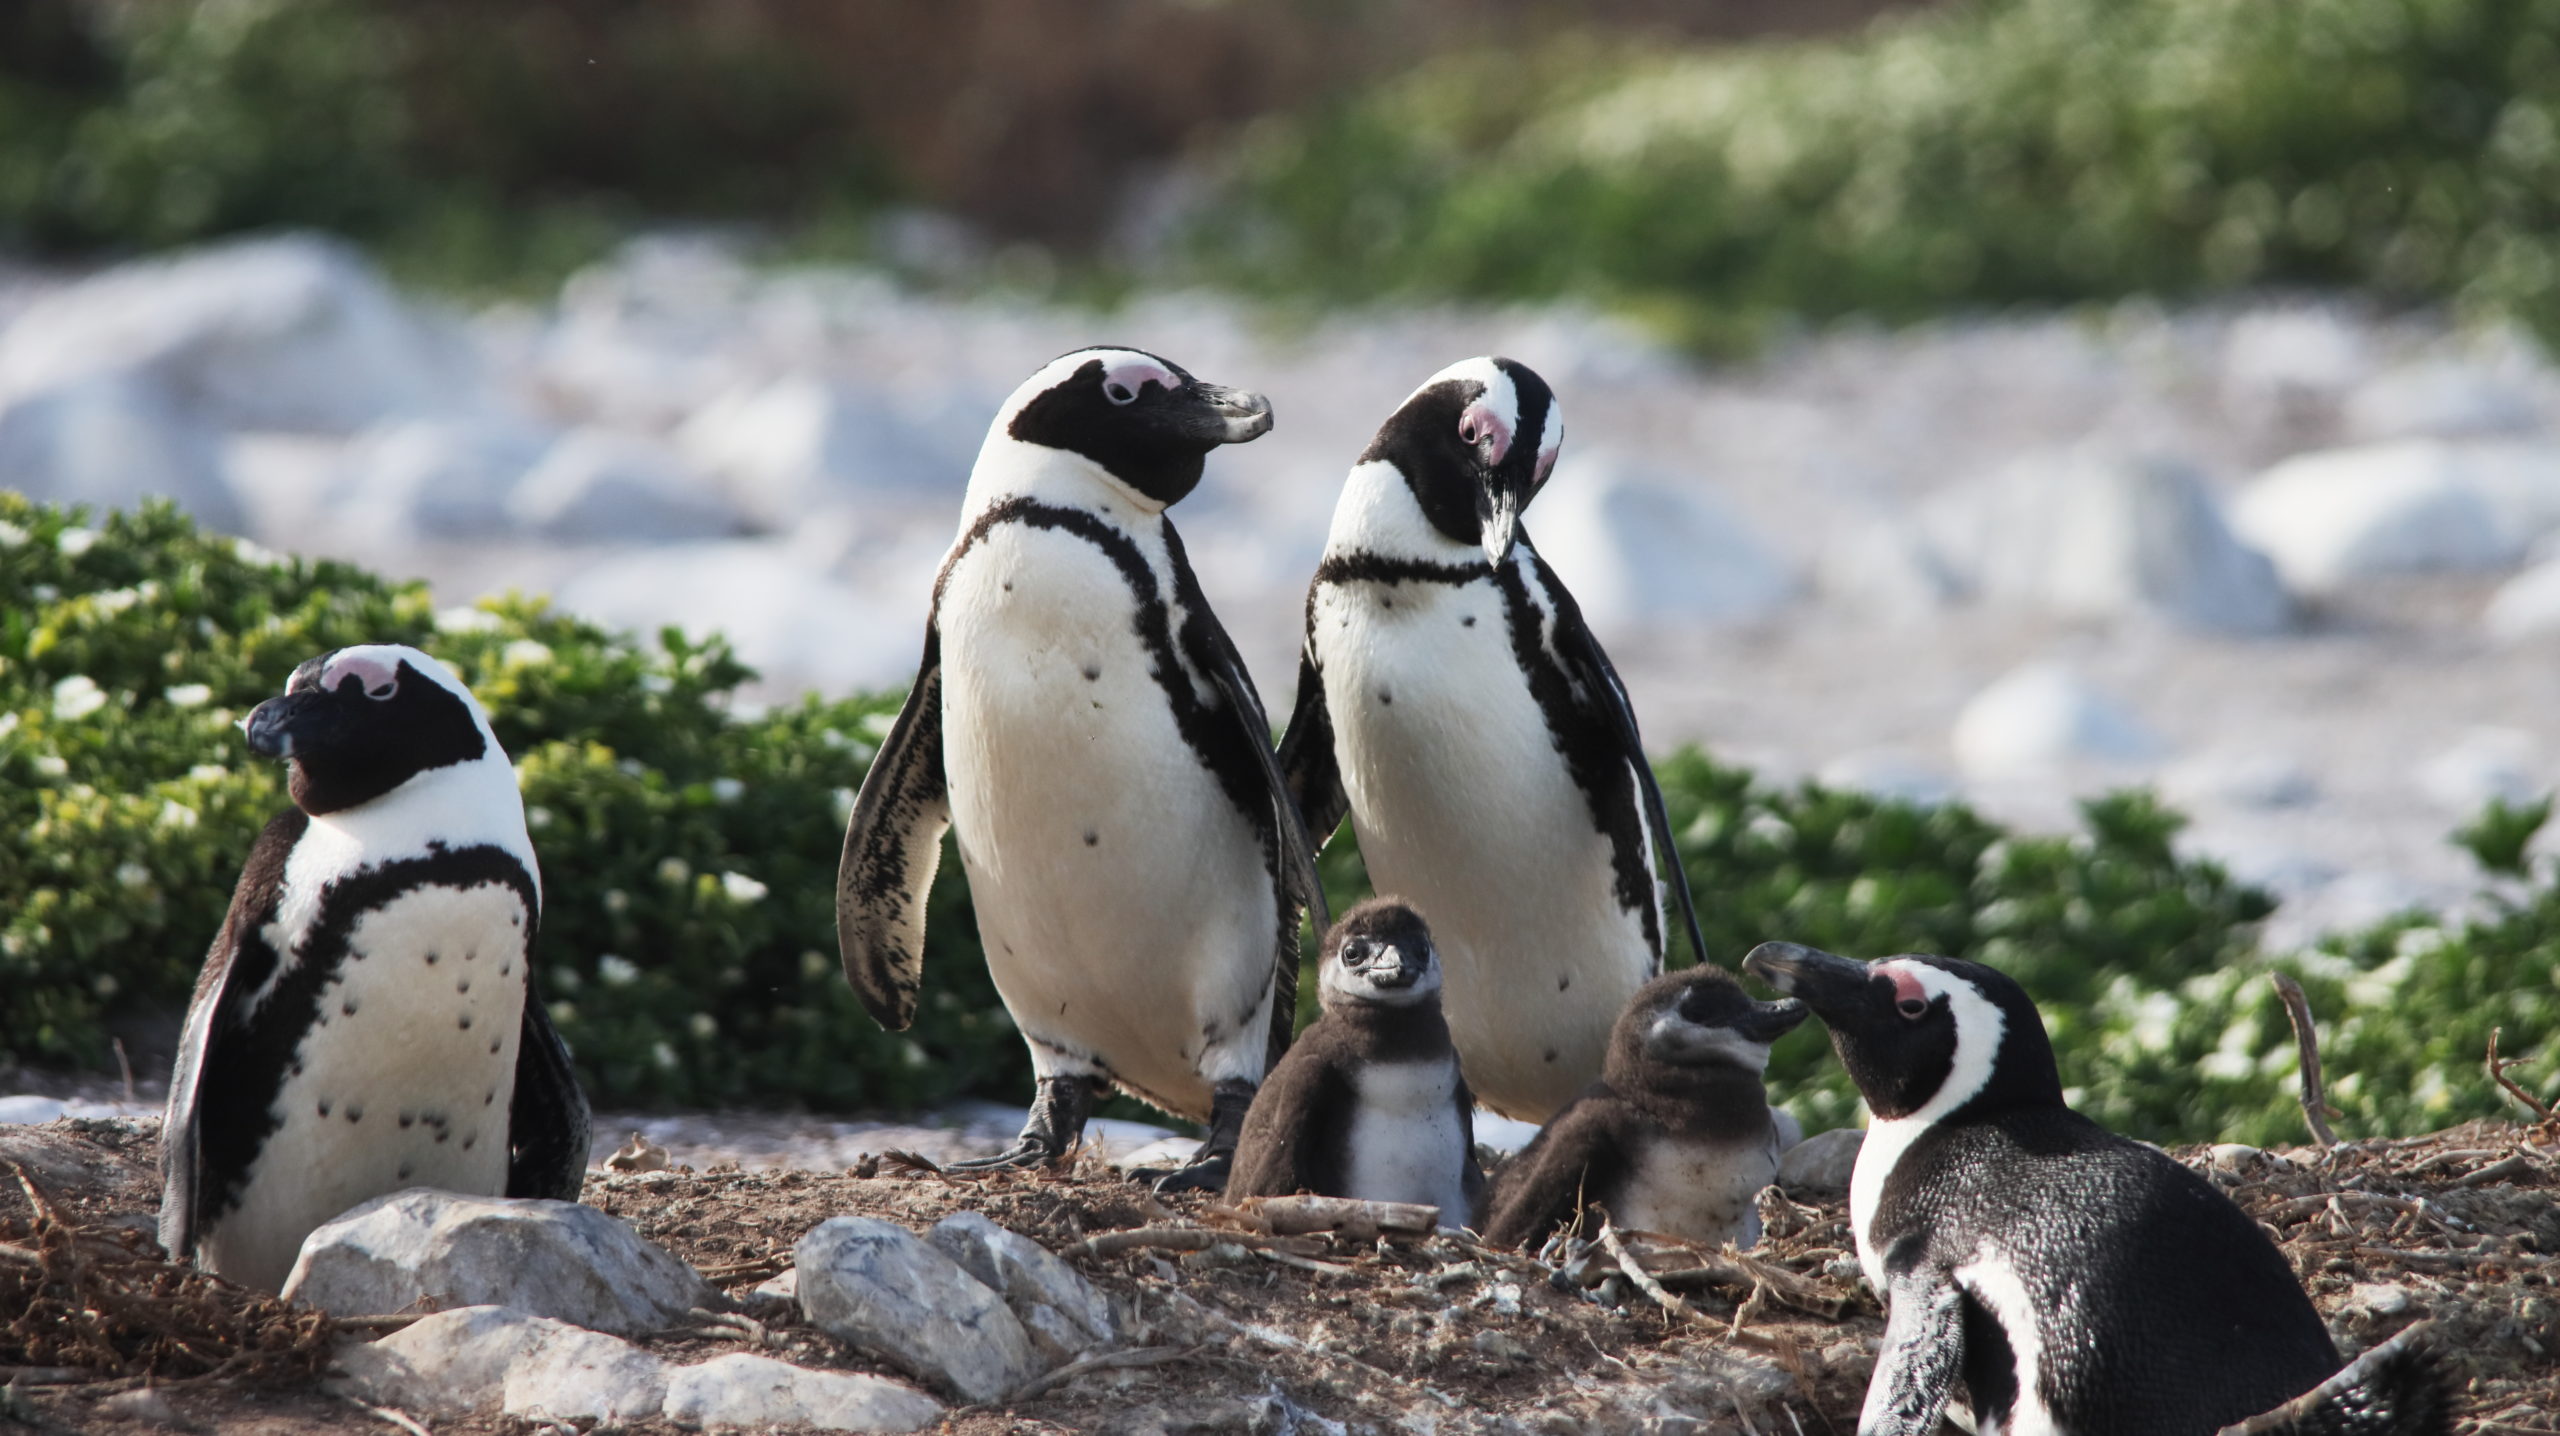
(404, 1079)
(1698, 1191)
(1464, 806)
(1124, 899)
(1406, 1141)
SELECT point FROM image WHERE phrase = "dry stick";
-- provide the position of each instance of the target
(1189, 1239)
(1644, 1281)
(399, 1419)
(2315, 1105)
(2498, 1074)
(127, 1064)
(1108, 1361)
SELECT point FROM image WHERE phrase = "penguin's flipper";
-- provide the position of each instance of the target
(548, 1130)
(1579, 650)
(1576, 1156)
(892, 845)
(1306, 755)
(1471, 1177)
(1292, 1130)
(1297, 849)
(237, 964)
(1923, 1349)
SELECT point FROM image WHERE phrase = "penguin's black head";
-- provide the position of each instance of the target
(1926, 1037)
(1143, 419)
(1691, 1024)
(359, 722)
(1475, 444)
(1379, 955)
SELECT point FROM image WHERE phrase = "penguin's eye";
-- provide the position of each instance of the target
(1912, 1007)
(1119, 393)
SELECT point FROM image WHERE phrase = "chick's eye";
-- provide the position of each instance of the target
(1119, 393)
(1912, 1008)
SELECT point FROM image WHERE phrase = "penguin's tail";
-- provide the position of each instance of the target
(2396, 1389)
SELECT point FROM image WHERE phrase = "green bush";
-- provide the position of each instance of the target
(1983, 152)
(688, 843)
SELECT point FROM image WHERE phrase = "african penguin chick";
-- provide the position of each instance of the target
(1082, 723)
(366, 1021)
(1677, 1135)
(1369, 1102)
(2077, 1282)
(1453, 703)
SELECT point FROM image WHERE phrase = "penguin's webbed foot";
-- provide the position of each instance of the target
(1055, 1124)
(1207, 1170)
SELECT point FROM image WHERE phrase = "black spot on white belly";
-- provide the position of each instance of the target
(324, 1106)
(431, 959)
(405, 1170)
(1092, 838)
(349, 1008)
(1564, 982)
(408, 1119)
(463, 986)
(1093, 673)
(1467, 622)
(355, 1111)
(1386, 699)
(1551, 1054)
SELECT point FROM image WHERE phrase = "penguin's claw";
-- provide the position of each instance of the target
(1206, 1172)
(1022, 1154)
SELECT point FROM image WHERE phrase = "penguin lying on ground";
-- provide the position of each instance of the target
(2076, 1281)
(1451, 700)
(1084, 725)
(1369, 1103)
(1677, 1135)
(366, 1020)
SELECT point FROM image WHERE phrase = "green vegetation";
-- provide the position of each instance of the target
(1985, 152)
(688, 844)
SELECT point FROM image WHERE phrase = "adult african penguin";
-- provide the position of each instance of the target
(1369, 1101)
(2075, 1281)
(1677, 1135)
(1083, 725)
(1452, 701)
(366, 1020)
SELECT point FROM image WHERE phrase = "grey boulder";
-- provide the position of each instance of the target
(874, 1285)
(442, 1250)
(1819, 1166)
(486, 1359)
(759, 1393)
(1062, 1312)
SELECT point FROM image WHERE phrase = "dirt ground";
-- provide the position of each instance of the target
(1436, 1334)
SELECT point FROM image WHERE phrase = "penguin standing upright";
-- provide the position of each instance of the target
(1676, 1137)
(2077, 1282)
(366, 1020)
(1369, 1101)
(1084, 725)
(1452, 701)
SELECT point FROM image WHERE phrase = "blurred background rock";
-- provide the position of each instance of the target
(1990, 401)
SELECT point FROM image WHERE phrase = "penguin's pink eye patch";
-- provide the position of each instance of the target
(1123, 382)
(381, 679)
(1481, 424)
(1909, 997)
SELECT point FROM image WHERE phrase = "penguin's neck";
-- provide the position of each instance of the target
(1009, 468)
(472, 804)
(1379, 515)
(1386, 1032)
(1714, 1100)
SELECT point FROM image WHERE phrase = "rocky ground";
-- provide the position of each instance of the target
(1222, 1328)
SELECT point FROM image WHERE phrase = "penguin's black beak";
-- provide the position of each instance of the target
(270, 727)
(1399, 967)
(1768, 1021)
(1825, 983)
(1211, 414)
(1498, 511)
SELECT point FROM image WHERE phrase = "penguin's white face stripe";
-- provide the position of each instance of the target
(1377, 514)
(1550, 441)
(1130, 367)
(1980, 1025)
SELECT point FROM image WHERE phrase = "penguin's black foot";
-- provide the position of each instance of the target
(1056, 1124)
(1207, 1170)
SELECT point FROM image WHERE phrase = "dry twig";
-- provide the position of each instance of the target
(2315, 1102)
(2498, 1074)
(1107, 1361)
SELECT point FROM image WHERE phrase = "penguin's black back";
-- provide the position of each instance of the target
(2163, 1308)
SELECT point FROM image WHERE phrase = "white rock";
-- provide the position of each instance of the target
(2242, 780)
(1886, 566)
(1503, 1134)
(2375, 1299)
(2527, 605)
(596, 486)
(1065, 1316)
(1642, 548)
(109, 441)
(287, 332)
(440, 1249)
(802, 444)
(760, 1393)
(1887, 773)
(2042, 716)
(1820, 1164)
(2486, 764)
(2410, 506)
(29, 1110)
(874, 1285)
(2294, 353)
(2442, 398)
(486, 1359)
(433, 479)
(786, 617)
(2097, 534)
